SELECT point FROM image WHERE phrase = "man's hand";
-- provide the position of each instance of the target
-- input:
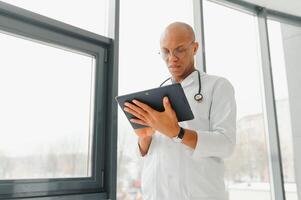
(144, 132)
(165, 122)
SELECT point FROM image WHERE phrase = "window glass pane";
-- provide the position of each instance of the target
(46, 112)
(91, 15)
(232, 52)
(284, 44)
(141, 67)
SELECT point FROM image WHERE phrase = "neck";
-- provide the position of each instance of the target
(180, 79)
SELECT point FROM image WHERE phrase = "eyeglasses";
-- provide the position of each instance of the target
(178, 52)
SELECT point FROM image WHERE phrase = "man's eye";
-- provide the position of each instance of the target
(180, 50)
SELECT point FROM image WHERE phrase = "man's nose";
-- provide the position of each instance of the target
(172, 58)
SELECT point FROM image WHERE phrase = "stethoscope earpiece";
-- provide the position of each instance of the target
(198, 97)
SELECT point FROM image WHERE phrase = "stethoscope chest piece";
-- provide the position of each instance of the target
(198, 97)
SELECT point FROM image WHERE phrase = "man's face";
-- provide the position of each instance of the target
(178, 52)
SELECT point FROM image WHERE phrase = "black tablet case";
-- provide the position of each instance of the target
(154, 98)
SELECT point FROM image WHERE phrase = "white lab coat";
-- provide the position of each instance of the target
(174, 171)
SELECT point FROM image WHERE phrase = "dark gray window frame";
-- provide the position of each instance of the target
(276, 172)
(101, 185)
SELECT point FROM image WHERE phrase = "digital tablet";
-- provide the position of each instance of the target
(154, 98)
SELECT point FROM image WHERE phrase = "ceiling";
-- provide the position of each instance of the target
(292, 7)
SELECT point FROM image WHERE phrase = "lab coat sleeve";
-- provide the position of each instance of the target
(220, 139)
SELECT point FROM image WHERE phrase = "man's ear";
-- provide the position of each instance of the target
(195, 48)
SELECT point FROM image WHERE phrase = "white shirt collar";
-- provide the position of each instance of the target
(193, 76)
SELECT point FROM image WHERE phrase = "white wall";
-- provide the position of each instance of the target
(292, 52)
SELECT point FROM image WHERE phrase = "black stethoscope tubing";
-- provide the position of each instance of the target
(198, 96)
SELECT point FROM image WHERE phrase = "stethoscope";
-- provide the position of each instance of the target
(198, 96)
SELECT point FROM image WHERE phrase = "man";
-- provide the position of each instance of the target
(193, 168)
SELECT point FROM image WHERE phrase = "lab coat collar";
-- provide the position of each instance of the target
(193, 76)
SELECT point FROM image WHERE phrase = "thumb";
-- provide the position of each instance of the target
(166, 104)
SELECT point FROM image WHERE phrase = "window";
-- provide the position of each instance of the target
(46, 110)
(141, 67)
(232, 52)
(91, 15)
(284, 40)
(56, 131)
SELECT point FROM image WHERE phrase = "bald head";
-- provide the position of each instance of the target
(178, 30)
(178, 48)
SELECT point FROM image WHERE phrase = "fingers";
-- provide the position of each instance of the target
(166, 104)
(144, 106)
(135, 110)
(139, 121)
(134, 113)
